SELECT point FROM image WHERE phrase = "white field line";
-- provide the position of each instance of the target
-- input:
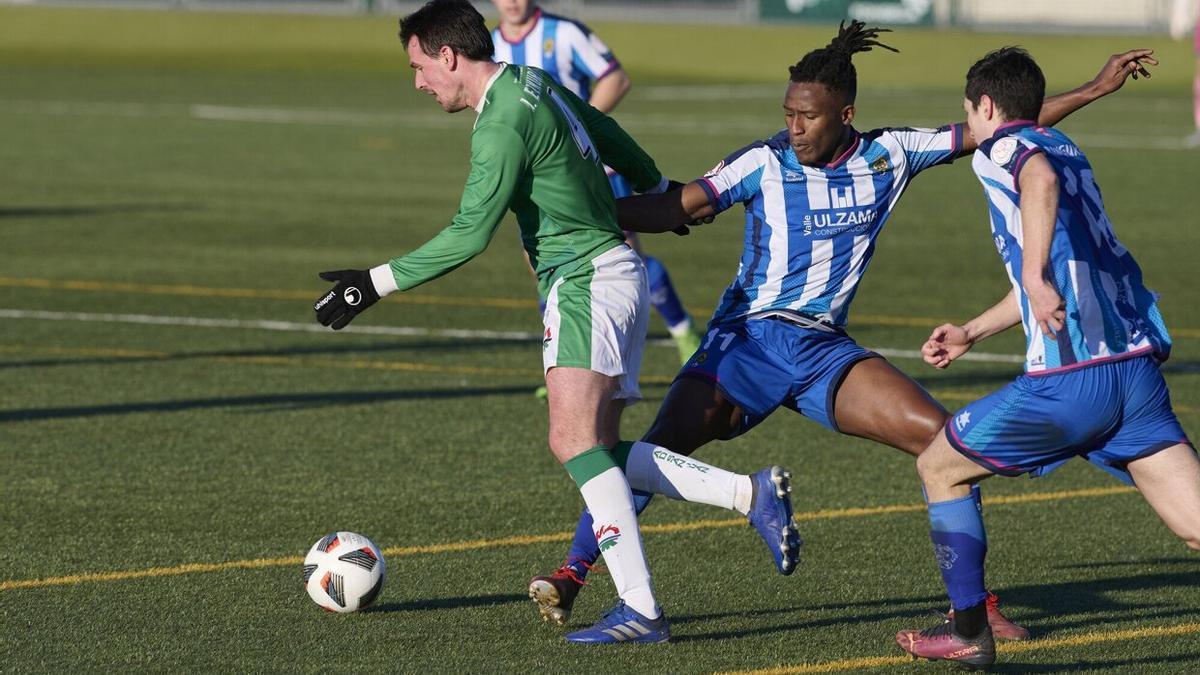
(650, 123)
(405, 331)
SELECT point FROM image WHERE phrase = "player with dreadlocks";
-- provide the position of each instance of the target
(816, 196)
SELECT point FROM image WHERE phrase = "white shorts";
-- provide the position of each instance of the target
(596, 318)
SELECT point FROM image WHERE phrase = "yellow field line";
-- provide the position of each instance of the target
(411, 298)
(1004, 648)
(531, 539)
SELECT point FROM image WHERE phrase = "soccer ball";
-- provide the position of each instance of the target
(344, 572)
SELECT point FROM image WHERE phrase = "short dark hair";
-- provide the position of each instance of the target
(1012, 79)
(449, 23)
(831, 64)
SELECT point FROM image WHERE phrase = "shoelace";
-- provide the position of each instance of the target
(941, 630)
(616, 609)
(569, 572)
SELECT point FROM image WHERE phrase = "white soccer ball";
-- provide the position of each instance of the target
(344, 572)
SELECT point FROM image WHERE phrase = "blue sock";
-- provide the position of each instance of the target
(662, 294)
(960, 545)
(584, 550)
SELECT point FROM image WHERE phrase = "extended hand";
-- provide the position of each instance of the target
(946, 343)
(352, 293)
(1047, 306)
(1120, 66)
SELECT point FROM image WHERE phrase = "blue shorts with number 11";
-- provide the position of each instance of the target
(761, 364)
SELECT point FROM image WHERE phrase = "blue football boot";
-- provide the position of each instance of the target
(623, 624)
(771, 515)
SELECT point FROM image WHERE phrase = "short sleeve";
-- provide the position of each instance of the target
(737, 178)
(924, 148)
(589, 55)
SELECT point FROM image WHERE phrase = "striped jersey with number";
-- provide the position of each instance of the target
(810, 231)
(1110, 313)
(570, 53)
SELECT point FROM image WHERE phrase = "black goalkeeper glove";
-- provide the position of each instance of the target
(352, 294)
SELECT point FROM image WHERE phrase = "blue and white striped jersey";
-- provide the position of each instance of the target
(571, 54)
(810, 231)
(1110, 314)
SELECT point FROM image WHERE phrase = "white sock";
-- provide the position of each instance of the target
(651, 468)
(608, 497)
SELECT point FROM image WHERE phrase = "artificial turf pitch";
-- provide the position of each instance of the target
(173, 179)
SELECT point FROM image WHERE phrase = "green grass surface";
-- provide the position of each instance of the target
(127, 447)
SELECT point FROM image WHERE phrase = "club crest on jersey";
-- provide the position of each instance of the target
(880, 165)
(1003, 150)
(548, 46)
(715, 170)
(607, 537)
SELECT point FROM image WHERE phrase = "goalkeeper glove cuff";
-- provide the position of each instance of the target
(384, 280)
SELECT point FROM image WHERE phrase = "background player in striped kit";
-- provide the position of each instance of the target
(816, 196)
(1094, 342)
(577, 59)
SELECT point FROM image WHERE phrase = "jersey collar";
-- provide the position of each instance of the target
(1012, 128)
(483, 99)
(841, 159)
(1006, 129)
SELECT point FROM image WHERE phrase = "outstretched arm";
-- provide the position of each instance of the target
(664, 212)
(1110, 78)
(948, 341)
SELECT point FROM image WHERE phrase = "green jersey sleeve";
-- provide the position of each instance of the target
(617, 148)
(498, 163)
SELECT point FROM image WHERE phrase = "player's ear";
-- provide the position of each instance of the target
(986, 107)
(448, 57)
(848, 114)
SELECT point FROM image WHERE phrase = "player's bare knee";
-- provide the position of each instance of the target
(933, 468)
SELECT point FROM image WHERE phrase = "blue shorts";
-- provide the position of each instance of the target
(762, 364)
(1110, 413)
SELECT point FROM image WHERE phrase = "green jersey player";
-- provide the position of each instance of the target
(539, 150)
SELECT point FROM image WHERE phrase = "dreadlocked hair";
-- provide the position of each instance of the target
(831, 64)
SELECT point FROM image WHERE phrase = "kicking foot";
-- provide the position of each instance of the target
(771, 515)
